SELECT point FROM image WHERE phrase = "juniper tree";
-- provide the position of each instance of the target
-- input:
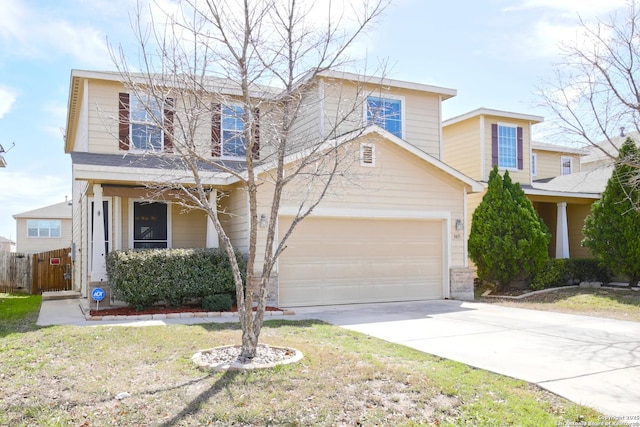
(612, 230)
(508, 240)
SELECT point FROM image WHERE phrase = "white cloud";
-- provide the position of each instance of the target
(7, 99)
(584, 8)
(36, 31)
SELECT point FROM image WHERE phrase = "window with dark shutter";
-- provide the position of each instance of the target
(123, 118)
(520, 149)
(494, 144)
(255, 151)
(168, 125)
(215, 129)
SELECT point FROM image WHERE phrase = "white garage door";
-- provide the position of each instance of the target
(340, 261)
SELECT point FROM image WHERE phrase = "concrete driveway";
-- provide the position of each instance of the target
(588, 360)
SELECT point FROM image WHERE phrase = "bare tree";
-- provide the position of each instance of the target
(257, 61)
(595, 98)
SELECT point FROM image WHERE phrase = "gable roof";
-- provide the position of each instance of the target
(491, 112)
(446, 93)
(374, 129)
(5, 240)
(62, 210)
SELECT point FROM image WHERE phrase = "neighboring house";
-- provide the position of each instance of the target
(7, 245)
(476, 141)
(398, 235)
(549, 160)
(44, 229)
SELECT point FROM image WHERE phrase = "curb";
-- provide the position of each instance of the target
(86, 312)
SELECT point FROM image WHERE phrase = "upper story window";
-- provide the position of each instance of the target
(386, 113)
(228, 131)
(145, 115)
(566, 165)
(233, 139)
(506, 146)
(44, 228)
(145, 123)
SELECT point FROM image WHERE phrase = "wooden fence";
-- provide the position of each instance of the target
(35, 273)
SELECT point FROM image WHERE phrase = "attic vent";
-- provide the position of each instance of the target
(367, 155)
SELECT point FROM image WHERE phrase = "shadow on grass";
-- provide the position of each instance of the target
(235, 326)
(196, 404)
(620, 295)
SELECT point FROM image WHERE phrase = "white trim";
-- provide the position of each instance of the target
(321, 95)
(490, 112)
(544, 146)
(105, 173)
(446, 263)
(465, 249)
(565, 194)
(384, 96)
(379, 81)
(169, 221)
(441, 146)
(116, 219)
(483, 150)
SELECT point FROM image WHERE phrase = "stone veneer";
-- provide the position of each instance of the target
(461, 283)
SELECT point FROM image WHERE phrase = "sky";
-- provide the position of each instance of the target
(495, 53)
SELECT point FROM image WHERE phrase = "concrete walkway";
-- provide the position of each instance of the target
(588, 360)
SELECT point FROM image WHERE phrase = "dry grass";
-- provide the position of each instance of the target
(69, 376)
(621, 304)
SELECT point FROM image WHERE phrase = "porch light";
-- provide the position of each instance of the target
(459, 224)
(263, 220)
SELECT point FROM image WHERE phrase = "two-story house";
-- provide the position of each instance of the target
(477, 141)
(44, 229)
(393, 232)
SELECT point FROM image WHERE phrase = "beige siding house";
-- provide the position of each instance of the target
(549, 174)
(44, 229)
(392, 231)
(7, 245)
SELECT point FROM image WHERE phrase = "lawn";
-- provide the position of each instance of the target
(63, 375)
(621, 304)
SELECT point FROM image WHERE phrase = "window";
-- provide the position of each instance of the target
(145, 114)
(233, 141)
(534, 164)
(142, 119)
(566, 165)
(44, 228)
(507, 147)
(228, 131)
(386, 113)
(150, 225)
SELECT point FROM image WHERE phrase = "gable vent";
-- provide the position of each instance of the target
(367, 155)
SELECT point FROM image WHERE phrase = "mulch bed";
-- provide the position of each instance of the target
(131, 311)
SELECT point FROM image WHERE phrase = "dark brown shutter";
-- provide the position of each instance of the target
(520, 149)
(123, 119)
(168, 125)
(255, 151)
(216, 116)
(494, 144)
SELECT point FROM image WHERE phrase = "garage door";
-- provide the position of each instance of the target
(341, 261)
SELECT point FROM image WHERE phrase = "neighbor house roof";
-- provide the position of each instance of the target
(588, 184)
(556, 148)
(59, 210)
(482, 111)
(5, 240)
(610, 147)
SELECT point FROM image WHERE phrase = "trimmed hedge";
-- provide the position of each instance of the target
(144, 277)
(217, 302)
(571, 271)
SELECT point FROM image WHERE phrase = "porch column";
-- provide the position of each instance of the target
(212, 234)
(562, 232)
(98, 261)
